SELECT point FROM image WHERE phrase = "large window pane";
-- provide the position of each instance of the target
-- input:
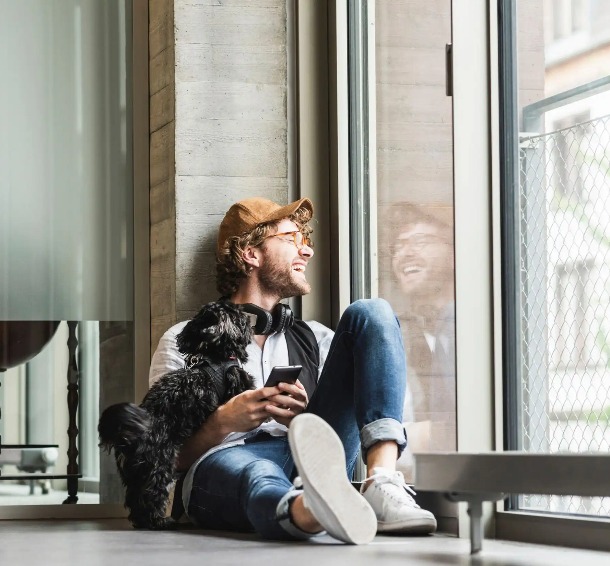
(413, 202)
(560, 235)
(66, 239)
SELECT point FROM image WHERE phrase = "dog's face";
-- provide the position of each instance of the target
(219, 331)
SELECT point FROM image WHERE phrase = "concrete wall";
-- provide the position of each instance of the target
(218, 86)
(162, 168)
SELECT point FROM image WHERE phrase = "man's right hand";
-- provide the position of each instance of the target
(245, 411)
(242, 413)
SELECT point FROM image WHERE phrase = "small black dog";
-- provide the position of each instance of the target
(146, 438)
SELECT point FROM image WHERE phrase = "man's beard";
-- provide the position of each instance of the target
(279, 280)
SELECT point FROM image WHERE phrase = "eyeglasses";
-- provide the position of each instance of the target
(417, 242)
(297, 238)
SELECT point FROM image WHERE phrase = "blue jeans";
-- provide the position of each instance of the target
(360, 394)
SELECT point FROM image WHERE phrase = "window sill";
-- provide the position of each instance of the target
(555, 530)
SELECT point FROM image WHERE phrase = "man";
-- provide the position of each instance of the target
(349, 397)
(423, 266)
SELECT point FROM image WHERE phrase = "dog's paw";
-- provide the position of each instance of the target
(156, 524)
(164, 524)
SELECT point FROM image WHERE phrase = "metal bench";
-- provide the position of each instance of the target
(475, 478)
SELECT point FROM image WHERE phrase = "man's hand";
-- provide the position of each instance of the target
(243, 413)
(247, 410)
(291, 402)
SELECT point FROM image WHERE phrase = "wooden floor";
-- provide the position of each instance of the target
(114, 542)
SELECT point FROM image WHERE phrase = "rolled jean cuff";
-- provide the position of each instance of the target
(283, 516)
(380, 431)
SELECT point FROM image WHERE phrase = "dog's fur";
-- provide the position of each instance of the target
(146, 439)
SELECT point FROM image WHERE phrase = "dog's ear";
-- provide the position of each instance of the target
(234, 332)
(219, 331)
(198, 331)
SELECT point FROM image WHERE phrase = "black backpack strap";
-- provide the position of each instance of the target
(303, 350)
(228, 364)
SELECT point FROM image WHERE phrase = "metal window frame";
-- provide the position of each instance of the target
(309, 146)
(339, 174)
(362, 151)
(362, 148)
(509, 196)
(476, 239)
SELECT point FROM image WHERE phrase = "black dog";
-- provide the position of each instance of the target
(146, 438)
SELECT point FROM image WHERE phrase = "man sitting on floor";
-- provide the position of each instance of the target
(244, 461)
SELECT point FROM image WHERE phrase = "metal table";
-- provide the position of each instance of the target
(475, 478)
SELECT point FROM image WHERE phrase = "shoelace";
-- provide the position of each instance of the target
(395, 478)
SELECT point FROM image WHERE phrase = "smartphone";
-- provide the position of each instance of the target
(285, 374)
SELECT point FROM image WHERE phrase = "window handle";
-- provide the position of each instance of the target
(449, 69)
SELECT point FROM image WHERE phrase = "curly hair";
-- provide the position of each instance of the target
(230, 266)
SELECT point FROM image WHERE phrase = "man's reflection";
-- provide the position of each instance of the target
(423, 266)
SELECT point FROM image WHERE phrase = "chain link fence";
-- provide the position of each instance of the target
(565, 299)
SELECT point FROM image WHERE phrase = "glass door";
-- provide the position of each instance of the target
(401, 186)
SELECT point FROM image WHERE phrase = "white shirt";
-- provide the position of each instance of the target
(259, 364)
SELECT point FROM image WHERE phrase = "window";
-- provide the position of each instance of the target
(68, 219)
(556, 243)
(401, 186)
(568, 17)
(568, 152)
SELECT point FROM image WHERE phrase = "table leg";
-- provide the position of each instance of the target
(73, 377)
(475, 512)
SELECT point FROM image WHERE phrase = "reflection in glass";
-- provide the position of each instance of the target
(415, 211)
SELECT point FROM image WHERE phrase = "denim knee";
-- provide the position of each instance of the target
(375, 311)
(264, 475)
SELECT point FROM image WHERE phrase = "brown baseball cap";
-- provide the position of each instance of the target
(246, 214)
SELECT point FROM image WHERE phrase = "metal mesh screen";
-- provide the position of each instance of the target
(565, 299)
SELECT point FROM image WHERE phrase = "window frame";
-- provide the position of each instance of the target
(477, 274)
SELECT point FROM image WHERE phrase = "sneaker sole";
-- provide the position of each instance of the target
(408, 527)
(320, 460)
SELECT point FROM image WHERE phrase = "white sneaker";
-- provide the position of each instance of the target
(396, 510)
(327, 493)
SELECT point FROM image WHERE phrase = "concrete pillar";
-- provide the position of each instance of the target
(218, 122)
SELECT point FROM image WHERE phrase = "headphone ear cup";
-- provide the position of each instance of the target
(283, 317)
(264, 323)
(264, 319)
(280, 320)
(289, 318)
